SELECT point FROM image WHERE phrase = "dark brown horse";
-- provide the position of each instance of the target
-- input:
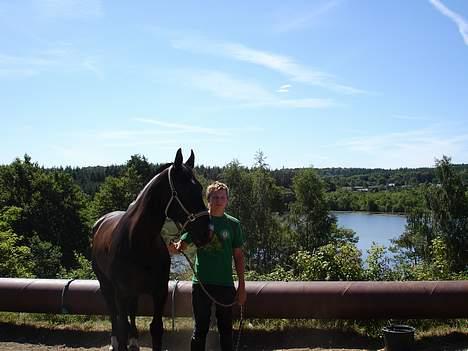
(129, 255)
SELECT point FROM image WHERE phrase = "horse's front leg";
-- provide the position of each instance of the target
(133, 332)
(122, 322)
(156, 327)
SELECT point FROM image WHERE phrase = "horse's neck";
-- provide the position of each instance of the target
(146, 215)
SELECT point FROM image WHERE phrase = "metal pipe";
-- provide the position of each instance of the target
(339, 300)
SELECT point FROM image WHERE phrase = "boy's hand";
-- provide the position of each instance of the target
(176, 247)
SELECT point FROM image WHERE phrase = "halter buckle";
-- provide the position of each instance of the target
(191, 217)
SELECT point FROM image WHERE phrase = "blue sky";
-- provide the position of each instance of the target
(339, 83)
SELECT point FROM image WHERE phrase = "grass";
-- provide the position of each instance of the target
(257, 334)
(424, 328)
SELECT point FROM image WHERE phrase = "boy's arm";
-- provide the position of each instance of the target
(239, 264)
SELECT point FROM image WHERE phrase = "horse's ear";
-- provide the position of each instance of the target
(191, 161)
(178, 158)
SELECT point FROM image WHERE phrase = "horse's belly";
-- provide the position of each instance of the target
(142, 280)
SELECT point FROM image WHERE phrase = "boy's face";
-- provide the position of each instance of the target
(217, 202)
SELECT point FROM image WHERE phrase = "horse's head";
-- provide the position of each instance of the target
(186, 205)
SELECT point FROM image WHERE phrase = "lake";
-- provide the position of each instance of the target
(377, 227)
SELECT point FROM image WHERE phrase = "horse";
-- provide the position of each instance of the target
(130, 257)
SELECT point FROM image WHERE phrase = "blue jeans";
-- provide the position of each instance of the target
(201, 305)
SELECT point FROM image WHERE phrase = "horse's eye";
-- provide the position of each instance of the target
(193, 181)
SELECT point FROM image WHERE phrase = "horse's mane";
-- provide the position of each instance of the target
(142, 193)
(162, 168)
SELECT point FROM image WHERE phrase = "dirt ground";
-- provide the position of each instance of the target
(27, 338)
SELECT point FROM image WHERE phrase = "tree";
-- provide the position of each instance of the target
(414, 243)
(309, 212)
(443, 216)
(329, 262)
(449, 206)
(47, 258)
(378, 264)
(113, 195)
(53, 207)
(15, 259)
(253, 195)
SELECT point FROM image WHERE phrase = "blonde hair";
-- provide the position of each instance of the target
(216, 186)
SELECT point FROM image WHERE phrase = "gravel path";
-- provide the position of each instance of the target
(27, 338)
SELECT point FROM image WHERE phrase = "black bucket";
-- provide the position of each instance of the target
(398, 337)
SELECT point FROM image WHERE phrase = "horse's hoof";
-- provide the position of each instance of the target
(133, 345)
(114, 346)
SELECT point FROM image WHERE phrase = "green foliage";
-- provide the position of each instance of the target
(116, 193)
(402, 201)
(377, 264)
(442, 221)
(437, 266)
(449, 207)
(53, 207)
(47, 258)
(415, 241)
(329, 262)
(111, 196)
(252, 199)
(309, 213)
(83, 270)
(16, 260)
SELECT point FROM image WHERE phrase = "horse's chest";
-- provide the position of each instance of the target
(143, 275)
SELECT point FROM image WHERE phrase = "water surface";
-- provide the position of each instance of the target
(372, 227)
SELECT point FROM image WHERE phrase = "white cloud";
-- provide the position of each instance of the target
(416, 148)
(184, 128)
(284, 88)
(69, 9)
(410, 118)
(306, 103)
(461, 23)
(92, 65)
(282, 64)
(59, 58)
(292, 22)
(245, 92)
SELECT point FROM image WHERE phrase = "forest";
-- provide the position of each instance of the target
(46, 215)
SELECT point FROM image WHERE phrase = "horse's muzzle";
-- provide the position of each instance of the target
(200, 242)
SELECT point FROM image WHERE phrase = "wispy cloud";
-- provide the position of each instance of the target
(248, 93)
(417, 147)
(284, 88)
(284, 65)
(306, 103)
(154, 131)
(410, 118)
(183, 128)
(291, 22)
(69, 9)
(59, 58)
(461, 22)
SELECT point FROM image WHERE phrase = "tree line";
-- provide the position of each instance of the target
(46, 217)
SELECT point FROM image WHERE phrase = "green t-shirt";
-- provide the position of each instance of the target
(213, 262)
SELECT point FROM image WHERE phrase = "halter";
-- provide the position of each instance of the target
(191, 217)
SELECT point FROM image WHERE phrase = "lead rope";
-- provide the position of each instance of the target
(173, 304)
(241, 321)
